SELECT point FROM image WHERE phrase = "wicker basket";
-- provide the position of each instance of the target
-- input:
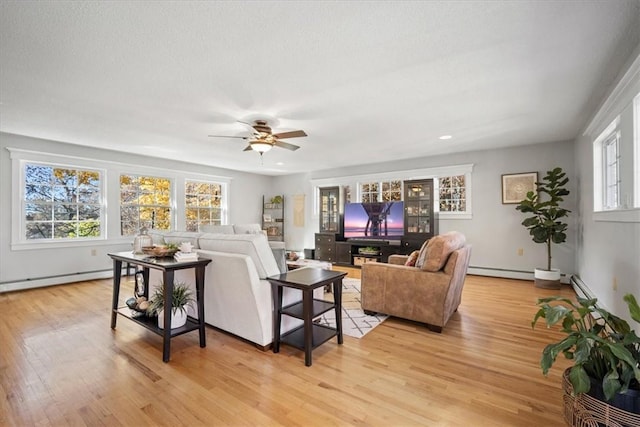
(586, 411)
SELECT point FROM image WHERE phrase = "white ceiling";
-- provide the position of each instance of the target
(367, 81)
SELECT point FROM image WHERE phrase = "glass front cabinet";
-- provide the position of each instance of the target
(330, 210)
(420, 220)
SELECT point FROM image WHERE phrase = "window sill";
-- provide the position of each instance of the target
(53, 244)
(618, 215)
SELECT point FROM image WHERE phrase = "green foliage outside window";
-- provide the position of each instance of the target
(61, 203)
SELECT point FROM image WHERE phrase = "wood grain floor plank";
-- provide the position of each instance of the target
(61, 364)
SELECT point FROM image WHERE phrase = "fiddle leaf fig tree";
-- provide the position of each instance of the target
(546, 224)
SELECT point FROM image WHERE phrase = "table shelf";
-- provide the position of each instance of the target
(321, 334)
(296, 309)
(151, 322)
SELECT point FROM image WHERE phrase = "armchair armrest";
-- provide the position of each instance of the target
(398, 259)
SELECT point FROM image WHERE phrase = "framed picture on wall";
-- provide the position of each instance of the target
(516, 186)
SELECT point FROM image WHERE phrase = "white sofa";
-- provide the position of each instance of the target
(237, 295)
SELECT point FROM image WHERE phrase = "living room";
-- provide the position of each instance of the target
(602, 249)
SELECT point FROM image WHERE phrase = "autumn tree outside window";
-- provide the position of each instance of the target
(145, 201)
(203, 204)
(61, 202)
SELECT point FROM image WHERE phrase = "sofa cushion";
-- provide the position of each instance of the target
(256, 246)
(219, 229)
(411, 260)
(440, 247)
(178, 237)
(247, 229)
(422, 255)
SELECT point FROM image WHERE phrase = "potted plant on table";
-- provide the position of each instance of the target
(546, 224)
(606, 360)
(181, 298)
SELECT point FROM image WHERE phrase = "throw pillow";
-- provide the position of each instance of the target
(411, 261)
(440, 247)
(422, 255)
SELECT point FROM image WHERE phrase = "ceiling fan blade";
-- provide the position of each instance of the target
(292, 134)
(248, 148)
(228, 136)
(285, 145)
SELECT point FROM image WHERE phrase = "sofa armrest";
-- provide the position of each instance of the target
(398, 259)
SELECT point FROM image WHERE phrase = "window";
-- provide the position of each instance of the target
(453, 193)
(636, 149)
(203, 204)
(611, 175)
(381, 191)
(61, 202)
(145, 201)
(369, 192)
(347, 194)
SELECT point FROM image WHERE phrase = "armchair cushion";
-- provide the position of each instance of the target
(440, 247)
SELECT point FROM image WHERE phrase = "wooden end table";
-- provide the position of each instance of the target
(310, 335)
(168, 266)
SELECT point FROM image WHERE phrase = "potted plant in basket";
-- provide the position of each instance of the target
(605, 352)
(546, 224)
(181, 298)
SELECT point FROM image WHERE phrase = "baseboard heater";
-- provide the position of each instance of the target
(58, 279)
(506, 273)
(580, 288)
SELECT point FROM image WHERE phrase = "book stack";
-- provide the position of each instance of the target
(185, 256)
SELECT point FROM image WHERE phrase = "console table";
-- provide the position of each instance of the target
(309, 335)
(168, 266)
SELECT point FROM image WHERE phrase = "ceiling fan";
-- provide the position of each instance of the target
(263, 139)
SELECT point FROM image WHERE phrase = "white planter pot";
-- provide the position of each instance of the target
(547, 279)
(178, 318)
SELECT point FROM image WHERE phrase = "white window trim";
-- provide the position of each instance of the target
(224, 186)
(111, 171)
(636, 151)
(404, 175)
(18, 226)
(614, 139)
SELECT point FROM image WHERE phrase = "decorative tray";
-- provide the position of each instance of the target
(159, 251)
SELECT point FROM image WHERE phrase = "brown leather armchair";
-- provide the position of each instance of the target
(430, 292)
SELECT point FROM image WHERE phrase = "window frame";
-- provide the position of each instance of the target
(19, 160)
(223, 200)
(171, 205)
(611, 171)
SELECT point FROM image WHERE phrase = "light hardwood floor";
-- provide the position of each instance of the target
(61, 364)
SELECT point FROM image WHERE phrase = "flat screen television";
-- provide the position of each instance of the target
(379, 220)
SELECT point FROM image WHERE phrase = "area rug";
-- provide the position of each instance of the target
(354, 322)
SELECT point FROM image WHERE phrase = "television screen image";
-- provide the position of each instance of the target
(373, 220)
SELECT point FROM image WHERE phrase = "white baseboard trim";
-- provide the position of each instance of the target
(507, 274)
(55, 280)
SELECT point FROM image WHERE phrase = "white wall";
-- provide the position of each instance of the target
(610, 250)
(62, 265)
(495, 231)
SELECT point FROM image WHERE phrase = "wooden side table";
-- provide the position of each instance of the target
(168, 266)
(310, 335)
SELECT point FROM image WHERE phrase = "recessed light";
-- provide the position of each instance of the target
(445, 137)
(279, 163)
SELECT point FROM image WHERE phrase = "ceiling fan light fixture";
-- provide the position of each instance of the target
(261, 147)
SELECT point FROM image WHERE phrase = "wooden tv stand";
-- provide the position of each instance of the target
(354, 252)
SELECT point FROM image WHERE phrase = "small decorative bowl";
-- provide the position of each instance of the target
(158, 251)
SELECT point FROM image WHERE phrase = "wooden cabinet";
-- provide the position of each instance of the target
(273, 217)
(420, 220)
(343, 253)
(326, 247)
(330, 210)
